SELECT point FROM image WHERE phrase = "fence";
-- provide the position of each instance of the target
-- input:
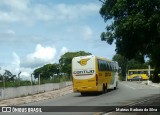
(12, 92)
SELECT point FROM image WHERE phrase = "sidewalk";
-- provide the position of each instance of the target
(151, 83)
(36, 97)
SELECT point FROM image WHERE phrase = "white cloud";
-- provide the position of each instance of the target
(25, 11)
(25, 76)
(16, 4)
(87, 32)
(43, 53)
(10, 32)
(64, 12)
(41, 56)
(63, 50)
(14, 11)
(16, 62)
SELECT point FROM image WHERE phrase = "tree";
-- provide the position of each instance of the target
(134, 64)
(66, 60)
(135, 28)
(122, 62)
(9, 76)
(47, 70)
(1, 77)
(128, 64)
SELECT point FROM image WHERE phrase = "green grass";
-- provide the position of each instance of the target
(56, 79)
(18, 83)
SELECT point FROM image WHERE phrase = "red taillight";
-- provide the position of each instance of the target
(96, 79)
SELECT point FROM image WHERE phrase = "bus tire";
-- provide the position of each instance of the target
(104, 89)
(116, 86)
(83, 94)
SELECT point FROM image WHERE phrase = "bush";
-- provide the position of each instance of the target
(156, 79)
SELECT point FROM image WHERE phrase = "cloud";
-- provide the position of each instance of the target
(25, 76)
(16, 62)
(14, 11)
(41, 56)
(63, 50)
(31, 12)
(7, 36)
(16, 5)
(11, 32)
(87, 32)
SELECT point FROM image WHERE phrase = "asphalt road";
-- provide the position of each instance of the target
(126, 94)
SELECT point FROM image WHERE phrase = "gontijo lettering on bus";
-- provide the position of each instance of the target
(83, 72)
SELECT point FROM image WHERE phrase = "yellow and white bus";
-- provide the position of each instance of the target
(94, 74)
(139, 74)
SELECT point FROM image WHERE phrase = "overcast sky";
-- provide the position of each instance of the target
(37, 32)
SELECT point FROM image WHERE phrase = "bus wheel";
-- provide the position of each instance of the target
(104, 89)
(83, 94)
(116, 86)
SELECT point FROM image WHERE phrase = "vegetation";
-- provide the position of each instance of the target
(66, 60)
(135, 28)
(49, 73)
(122, 62)
(128, 64)
(58, 72)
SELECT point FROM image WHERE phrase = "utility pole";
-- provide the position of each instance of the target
(19, 78)
(39, 77)
(149, 73)
(31, 79)
(3, 80)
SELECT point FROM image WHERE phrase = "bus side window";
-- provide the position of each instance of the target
(131, 73)
(99, 65)
(109, 65)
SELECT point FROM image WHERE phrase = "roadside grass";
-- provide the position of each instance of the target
(18, 83)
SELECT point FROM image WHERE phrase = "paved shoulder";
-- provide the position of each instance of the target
(138, 85)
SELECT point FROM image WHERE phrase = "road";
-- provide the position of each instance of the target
(127, 93)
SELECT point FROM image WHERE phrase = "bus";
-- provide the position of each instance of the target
(138, 74)
(94, 74)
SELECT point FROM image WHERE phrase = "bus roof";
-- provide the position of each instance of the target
(89, 56)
